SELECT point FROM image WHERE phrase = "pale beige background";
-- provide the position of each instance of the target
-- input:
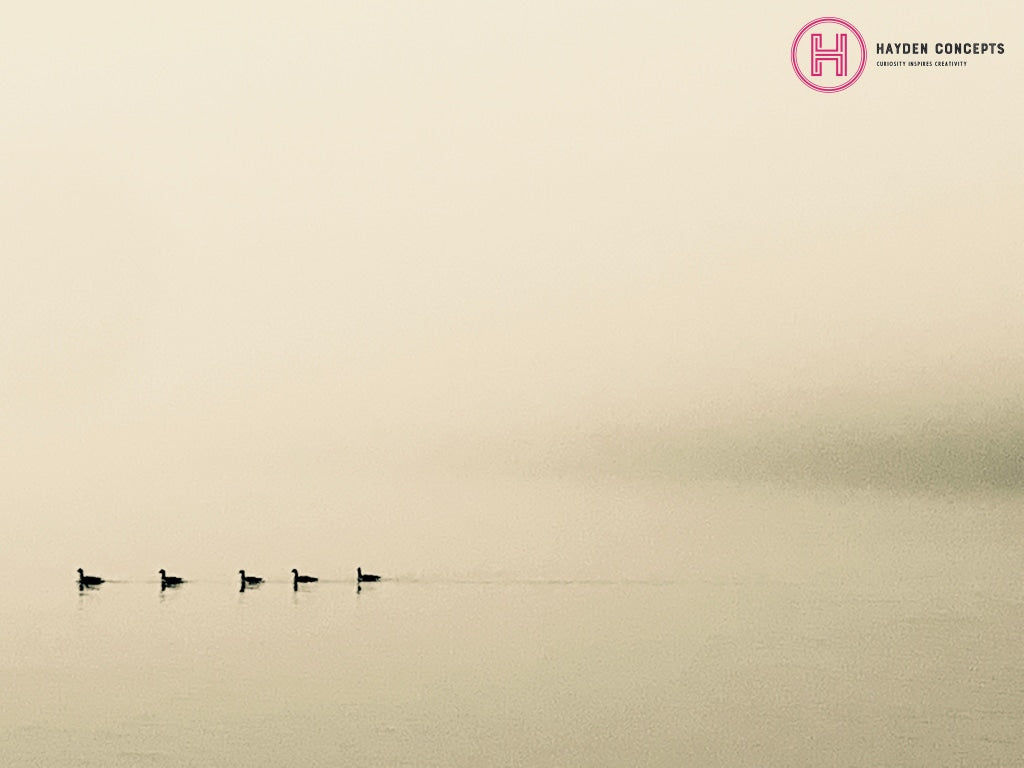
(343, 282)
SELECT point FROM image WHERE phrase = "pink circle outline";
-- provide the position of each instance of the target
(833, 20)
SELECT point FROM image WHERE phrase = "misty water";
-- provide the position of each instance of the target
(880, 631)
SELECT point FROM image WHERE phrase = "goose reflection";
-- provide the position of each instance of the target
(298, 578)
(87, 581)
(169, 581)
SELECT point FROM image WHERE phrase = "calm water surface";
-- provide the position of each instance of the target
(895, 664)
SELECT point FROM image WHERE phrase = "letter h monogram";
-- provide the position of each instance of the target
(837, 54)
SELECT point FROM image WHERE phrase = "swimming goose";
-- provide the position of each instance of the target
(301, 579)
(361, 577)
(298, 579)
(169, 581)
(88, 581)
(250, 581)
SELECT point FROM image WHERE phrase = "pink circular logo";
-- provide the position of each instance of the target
(829, 54)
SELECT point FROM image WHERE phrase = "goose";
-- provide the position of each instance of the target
(301, 579)
(88, 581)
(169, 581)
(250, 581)
(361, 577)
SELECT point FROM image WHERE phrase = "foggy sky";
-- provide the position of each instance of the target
(263, 261)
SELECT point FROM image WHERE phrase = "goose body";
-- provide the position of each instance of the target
(88, 581)
(250, 581)
(169, 581)
(361, 577)
(298, 578)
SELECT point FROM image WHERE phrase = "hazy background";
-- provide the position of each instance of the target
(465, 288)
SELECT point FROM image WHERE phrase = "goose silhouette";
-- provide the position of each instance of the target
(250, 581)
(88, 581)
(169, 581)
(361, 577)
(298, 578)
